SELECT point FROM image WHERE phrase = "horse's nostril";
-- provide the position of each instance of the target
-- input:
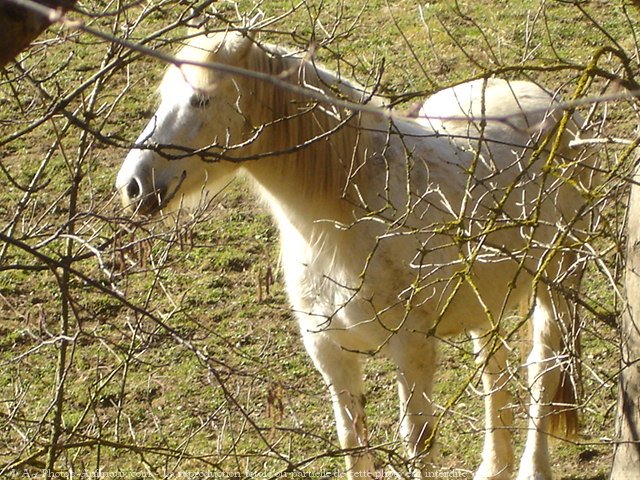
(133, 189)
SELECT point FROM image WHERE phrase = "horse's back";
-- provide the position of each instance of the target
(513, 105)
(509, 128)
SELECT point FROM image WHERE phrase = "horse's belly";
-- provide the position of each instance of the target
(361, 303)
(348, 316)
(363, 315)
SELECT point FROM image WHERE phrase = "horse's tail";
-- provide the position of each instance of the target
(563, 421)
(563, 416)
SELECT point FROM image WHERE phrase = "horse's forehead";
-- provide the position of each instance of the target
(186, 75)
(176, 84)
(203, 48)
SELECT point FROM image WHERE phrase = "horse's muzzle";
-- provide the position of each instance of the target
(147, 198)
(138, 200)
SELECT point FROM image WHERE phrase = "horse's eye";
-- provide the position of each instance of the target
(199, 100)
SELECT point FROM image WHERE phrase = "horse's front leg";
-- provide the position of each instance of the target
(342, 372)
(415, 359)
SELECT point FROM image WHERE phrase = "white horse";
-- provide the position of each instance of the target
(394, 232)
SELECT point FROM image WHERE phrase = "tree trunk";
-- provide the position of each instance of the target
(19, 25)
(626, 459)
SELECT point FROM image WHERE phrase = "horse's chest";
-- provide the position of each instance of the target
(354, 298)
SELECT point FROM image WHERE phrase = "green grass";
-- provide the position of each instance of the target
(218, 380)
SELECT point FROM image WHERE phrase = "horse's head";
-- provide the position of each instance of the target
(199, 116)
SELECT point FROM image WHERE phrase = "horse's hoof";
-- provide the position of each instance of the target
(492, 472)
(544, 474)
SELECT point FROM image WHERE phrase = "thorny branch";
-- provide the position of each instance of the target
(162, 353)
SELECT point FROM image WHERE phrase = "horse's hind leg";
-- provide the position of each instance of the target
(342, 372)
(497, 453)
(415, 359)
(544, 376)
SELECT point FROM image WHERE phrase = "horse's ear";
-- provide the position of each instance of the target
(235, 47)
(252, 25)
(246, 35)
(196, 19)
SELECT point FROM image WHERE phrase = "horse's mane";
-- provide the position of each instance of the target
(261, 57)
(297, 126)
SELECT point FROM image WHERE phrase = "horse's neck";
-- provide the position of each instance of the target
(304, 180)
(304, 190)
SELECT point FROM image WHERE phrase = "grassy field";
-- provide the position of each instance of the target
(138, 348)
